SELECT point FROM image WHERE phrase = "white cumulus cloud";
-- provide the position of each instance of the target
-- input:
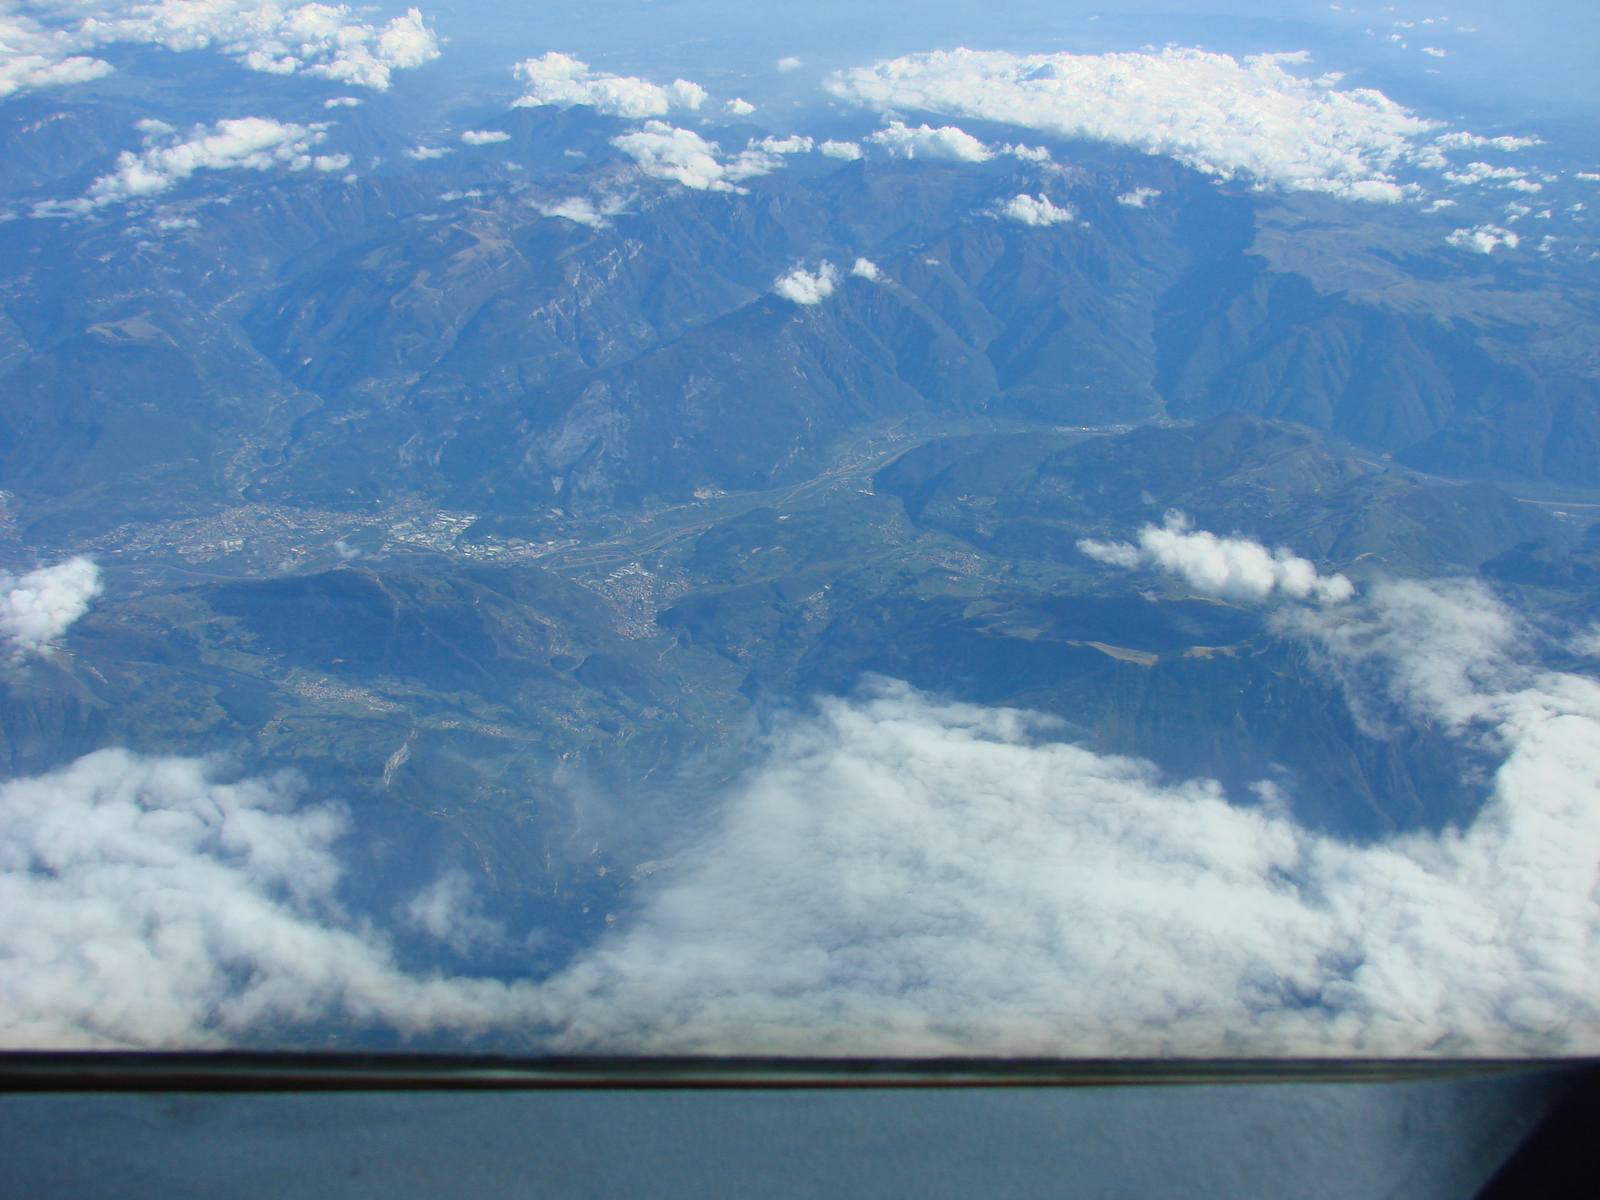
(685, 157)
(1036, 154)
(947, 144)
(582, 210)
(795, 143)
(1483, 239)
(26, 72)
(168, 158)
(849, 151)
(739, 108)
(1210, 111)
(1033, 210)
(38, 607)
(1139, 197)
(1230, 568)
(1484, 173)
(809, 287)
(41, 46)
(562, 80)
(484, 137)
(865, 268)
(145, 903)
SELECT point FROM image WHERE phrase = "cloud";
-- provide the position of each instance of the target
(897, 875)
(562, 80)
(739, 108)
(804, 287)
(425, 153)
(243, 143)
(1484, 173)
(583, 211)
(37, 608)
(685, 157)
(1435, 51)
(1139, 197)
(1471, 141)
(789, 63)
(312, 39)
(343, 102)
(29, 72)
(1027, 153)
(865, 268)
(1031, 210)
(849, 151)
(484, 137)
(793, 144)
(449, 911)
(947, 144)
(910, 876)
(146, 903)
(43, 47)
(1229, 568)
(1212, 112)
(1483, 239)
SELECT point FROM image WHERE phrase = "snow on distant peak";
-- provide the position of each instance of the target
(1212, 112)
(562, 80)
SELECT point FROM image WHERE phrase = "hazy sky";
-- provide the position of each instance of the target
(1518, 62)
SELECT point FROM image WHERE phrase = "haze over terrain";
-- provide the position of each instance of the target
(644, 528)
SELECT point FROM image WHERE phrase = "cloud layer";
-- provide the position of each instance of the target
(1230, 568)
(911, 876)
(562, 80)
(39, 48)
(168, 158)
(899, 875)
(1210, 111)
(37, 608)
